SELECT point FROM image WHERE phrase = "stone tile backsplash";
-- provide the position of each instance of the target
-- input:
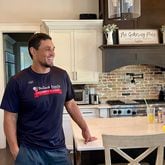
(118, 84)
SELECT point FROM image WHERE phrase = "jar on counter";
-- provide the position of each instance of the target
(161, 115)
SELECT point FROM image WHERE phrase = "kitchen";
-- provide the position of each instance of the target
(115, 85)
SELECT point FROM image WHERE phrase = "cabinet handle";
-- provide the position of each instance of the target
(75, 75)
(87, 112)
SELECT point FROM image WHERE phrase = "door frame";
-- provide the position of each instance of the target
(10, 28)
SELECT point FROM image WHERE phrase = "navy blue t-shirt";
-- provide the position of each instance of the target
(39, 99)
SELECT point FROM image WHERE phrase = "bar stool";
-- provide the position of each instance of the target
(117, 143)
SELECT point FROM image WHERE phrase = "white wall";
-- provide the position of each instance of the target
(35, 10)
(2, 136)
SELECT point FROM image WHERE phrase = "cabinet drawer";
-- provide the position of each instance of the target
(90, 112)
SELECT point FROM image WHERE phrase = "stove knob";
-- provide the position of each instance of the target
(133, 112)
(114, 112)
(128, 111)
(119, 112)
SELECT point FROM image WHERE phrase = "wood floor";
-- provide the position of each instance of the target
(5, 157)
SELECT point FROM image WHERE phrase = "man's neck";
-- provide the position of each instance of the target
(40, 70)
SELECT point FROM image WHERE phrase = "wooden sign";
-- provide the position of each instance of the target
(138, 36)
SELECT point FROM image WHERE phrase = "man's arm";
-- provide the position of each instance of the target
(10, 124)
(76, 115)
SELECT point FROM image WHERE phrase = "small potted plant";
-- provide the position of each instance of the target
(108, 31)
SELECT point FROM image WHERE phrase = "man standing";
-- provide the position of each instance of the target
(33, 107)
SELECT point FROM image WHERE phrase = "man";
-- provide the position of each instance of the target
(33, 106)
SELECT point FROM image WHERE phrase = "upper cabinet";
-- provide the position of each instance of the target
(77, 47)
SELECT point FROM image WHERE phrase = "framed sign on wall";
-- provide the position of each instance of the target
(138, 36)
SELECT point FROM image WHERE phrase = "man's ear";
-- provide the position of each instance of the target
(32, 51)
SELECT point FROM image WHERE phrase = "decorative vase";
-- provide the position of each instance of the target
(110, 38)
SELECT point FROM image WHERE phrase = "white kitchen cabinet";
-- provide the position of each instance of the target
(67, 130)
(64, 56)
(104, 112)
(90, 112)
(77, 47)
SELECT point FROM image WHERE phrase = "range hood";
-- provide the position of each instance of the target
(115, 56)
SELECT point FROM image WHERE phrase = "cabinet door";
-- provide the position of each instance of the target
(63, 41)
(89, 112)
(67, 131)
(86, 48)
(76, 52)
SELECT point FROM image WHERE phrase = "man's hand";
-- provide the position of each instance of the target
(76, 115)
(10, 124)
(88, 138)
(14, 152)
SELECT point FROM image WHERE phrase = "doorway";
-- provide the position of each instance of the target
(11, 28)
(15, 46)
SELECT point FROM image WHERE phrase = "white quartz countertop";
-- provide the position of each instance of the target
(99, 106)
(105, 105)
(115, 126)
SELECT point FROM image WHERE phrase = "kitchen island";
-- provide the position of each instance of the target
(114, 126)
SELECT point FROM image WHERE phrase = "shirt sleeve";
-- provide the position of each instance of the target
(70, 91)
(10, 100)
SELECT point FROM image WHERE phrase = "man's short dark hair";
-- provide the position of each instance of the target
(35, 41)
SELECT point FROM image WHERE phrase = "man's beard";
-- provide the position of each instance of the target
(46, 65)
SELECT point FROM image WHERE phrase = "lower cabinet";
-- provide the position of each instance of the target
(87, 113)
(90, 113)
(68, 131)
(104, 112)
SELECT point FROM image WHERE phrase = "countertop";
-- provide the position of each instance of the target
(118, 126)
(105, 105)
(91, 106)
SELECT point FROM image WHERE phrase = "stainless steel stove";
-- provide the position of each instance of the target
(132, 107)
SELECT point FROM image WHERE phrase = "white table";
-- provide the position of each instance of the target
(117, 126)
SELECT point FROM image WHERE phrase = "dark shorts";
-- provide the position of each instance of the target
(29, 156)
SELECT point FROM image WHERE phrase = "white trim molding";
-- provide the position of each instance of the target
(10, 28)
